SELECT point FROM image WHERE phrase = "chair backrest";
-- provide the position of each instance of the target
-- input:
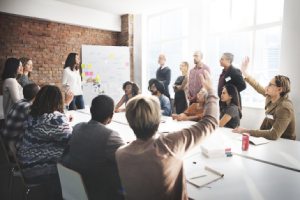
(71, 184)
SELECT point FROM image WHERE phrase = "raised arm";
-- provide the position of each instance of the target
(181, 141)
(259, 88)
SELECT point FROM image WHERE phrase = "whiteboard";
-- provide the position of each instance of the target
(109, 66)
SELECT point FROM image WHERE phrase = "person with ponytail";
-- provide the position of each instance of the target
(279, 120)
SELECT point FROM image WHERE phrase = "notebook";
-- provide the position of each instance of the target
(204, 177)
(258, 140)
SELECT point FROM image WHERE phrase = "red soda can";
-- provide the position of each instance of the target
(245, 141)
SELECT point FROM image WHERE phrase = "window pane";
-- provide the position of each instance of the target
(173, 51)
(152, 62)
(239, 44)
(219, 15)
(269, 11)
(154, 26)
(242, 13)
(266, 62)
(173, 25)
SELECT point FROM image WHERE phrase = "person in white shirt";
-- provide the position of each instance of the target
(12, 90)
(72, 80)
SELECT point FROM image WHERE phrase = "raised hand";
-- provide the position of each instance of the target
(206, 80)
(244, 66)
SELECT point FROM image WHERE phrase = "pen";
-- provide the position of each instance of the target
(213, 171)
(198, 176)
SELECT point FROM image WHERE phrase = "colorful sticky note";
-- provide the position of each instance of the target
(89, 66)
(97, 79)
(82, 66)
(83, 75)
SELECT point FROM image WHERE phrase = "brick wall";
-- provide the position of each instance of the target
(48, 43)
(126, 38)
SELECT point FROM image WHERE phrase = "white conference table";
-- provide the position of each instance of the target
(246, 176)
(282, 152)
(243, 179)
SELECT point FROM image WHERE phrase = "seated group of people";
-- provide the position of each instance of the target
(150, 167)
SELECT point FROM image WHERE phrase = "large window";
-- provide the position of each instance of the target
(246, 28)
(167, 34)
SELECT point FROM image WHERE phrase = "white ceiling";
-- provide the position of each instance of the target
(120, 7)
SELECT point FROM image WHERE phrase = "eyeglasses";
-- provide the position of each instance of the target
(272, 84)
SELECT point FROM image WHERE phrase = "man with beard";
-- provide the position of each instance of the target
(157, 89)
(195, 83)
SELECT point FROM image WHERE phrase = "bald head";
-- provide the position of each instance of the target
(161, 59)
(198, 55)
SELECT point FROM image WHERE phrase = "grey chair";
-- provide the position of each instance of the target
(71, 184)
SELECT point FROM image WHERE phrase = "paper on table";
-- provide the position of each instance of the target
(204, 177)
(258, 140)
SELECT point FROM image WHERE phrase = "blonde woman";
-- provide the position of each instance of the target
(24, 78)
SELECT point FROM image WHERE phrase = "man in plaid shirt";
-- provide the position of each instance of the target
(14, 123)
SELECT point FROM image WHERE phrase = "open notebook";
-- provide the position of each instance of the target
(258, 140)
(204, 177)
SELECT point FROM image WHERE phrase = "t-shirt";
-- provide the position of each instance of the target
(233, 111)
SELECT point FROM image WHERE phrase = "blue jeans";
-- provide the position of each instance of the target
(77, 103)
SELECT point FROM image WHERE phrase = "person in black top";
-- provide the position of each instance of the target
(163, 73)
(230, 75)
(180, 100)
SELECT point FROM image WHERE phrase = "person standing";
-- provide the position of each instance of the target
(71, 80)
(195, 83)
(230, 75)
(163, 73)
(179, 86)
(12, 90)
(27, 69)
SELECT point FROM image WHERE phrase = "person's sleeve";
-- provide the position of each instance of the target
(65, 77)
(259, 88)
(239, 81)
(14, 92)
(231, 111)
(166, 107)
(181, 141)
(279, 126)
(114, 141)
